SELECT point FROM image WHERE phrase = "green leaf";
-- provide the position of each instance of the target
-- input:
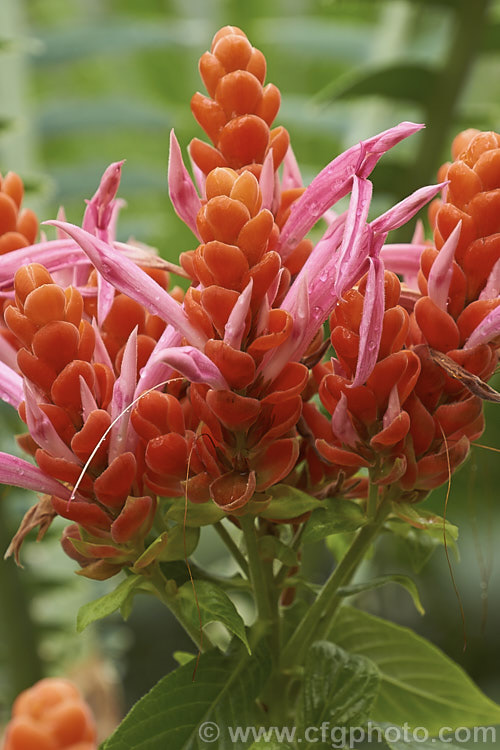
(339, 688)
(419, 544)
(268, 745)
(375, 583)
(339, 516)
(203, 514)
(172, 713)
(288, 502)
(272, 548)
(312, 38)
(215, 606)
(151, 553)
(87, 115)
(401, 738)
(420, 685)
(424, 519)
(183, 657)
(400, 81)
(177, 537)
(78, 41)
(106, 604)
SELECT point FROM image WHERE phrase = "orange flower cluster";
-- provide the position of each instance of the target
(68, 419)
(18, 228)
(473, 198)
(239, 112)
(413, 420)
(51, 715)
(237, 116)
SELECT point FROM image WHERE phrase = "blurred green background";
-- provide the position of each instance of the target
(87, 82)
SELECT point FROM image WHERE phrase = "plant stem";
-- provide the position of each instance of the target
(282, 572)
(318, 618)
(257, 574)
(371, 506)
(465, 40)
(232, 547)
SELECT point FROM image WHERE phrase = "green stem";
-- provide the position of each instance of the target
(257, 573)
(232, 547)
(283, 571)
(371, 506)
(465, 40)
(316, 623)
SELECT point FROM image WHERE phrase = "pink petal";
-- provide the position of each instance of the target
(375, 147)
(61, 216)
(330, 185)
(319, 269)
(199, 177)
(351, 258)
(393, 407)
(131, 280)
(291, 172)
(370, 329)
(334, 182)
(235, 326)
(99, 208)
(11, 385)
(488, 329)
(123, 394)
(440, 275)
(193, 365)
(399, 214)
(183, 195)
(492, 287)
(105, 298)
(19, 473)
(53, 254)
(403, 258)
(42, 430)
(296, 344)
(156, 372)
(342, 426)
(419, 233)
(88, 401)
(100, 352)
(8, 355)
(266, 181)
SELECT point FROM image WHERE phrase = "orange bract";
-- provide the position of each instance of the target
(51, 715)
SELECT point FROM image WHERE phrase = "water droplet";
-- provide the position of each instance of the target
(315, 209)
(324, 275)
(372, 346)
(316, 310)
